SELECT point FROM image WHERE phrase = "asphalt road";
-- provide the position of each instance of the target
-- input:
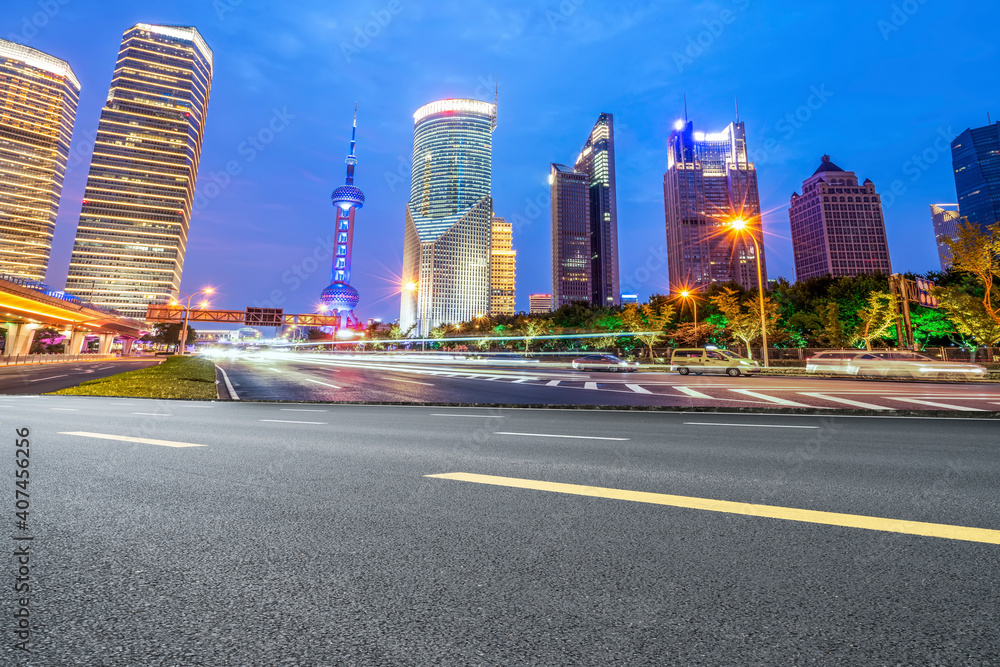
(304, 377)
(312, 535)
(41, 378)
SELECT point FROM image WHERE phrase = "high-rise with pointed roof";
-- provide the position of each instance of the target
(837, 225)
(133, 229)
(38, 101)
(975, 159)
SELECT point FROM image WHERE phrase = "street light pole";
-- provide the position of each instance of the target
(740, 226)
(182, 344)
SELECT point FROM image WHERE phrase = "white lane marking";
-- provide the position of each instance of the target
(752, 425)
(125, 438)
(553, 383)
(325, 384)
(412, 382)
(287, 421)
(66, 409)
(554, 435)
(153, 414)
(773, 399)
(845, 401)
(590, 385)
(229, 385)
(300, 410)
(637, 389)
(275, 370)
(945, 406)
(49, 378)
(693, 393)
(435, 414)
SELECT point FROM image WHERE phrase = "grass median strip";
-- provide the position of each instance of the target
(941, 530)
(177, 377)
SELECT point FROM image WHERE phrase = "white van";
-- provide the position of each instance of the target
(700, 360)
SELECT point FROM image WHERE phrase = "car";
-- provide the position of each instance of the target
(604, 362)
(911, 364)
(831, 361)
(700, 360)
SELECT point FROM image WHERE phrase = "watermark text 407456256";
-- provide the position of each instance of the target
(22, 541)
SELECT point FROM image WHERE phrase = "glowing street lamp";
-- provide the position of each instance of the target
(187, 312)
(688, 296)
(742, 228)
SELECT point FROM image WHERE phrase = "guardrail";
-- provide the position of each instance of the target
(30, 359)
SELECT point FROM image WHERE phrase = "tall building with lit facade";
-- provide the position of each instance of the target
(38, 100)
(837, 225)
(708, 183)
(585, 222)
(945, 218)
(975, 158)
(503, 260)
(539, 303)
(449, 218)
(133, 230)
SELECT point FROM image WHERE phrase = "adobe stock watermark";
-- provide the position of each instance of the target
(249, 149)
(699, 43)
(899, 16)
(918, 164)
(364, 34)
(656, 260)
(791, 123)
(565, 9)
(31, 24)
(295, 276)
(223, 7)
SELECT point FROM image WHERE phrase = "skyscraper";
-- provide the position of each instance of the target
(339, 297)
(590, 230)
(975, 158)
(837, 225)
(133, 231)
(38, 99)
(503, 260)
(945, 218)
(448, 233)
(709, 182)
(539, 303)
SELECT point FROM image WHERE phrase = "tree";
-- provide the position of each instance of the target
(969, 316)
(877, 317)
(170, 334)
(648, 321)
(743, 322)
(531, 328)
(977, 251)
(690, 334)
(831, 332)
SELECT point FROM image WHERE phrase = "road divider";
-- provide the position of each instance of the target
(921, 528)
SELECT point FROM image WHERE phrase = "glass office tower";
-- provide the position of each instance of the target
(448, 233)
(975, 158)
(503, 259)
(571, 238)
(945, 218)
(708, 183)
(38, 100)
(133, 230)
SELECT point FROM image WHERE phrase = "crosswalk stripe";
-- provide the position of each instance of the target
(637, 389)
(772, 399)
(692, 392)
(943, 406)
(553, 383)
(590, 385)
(845, 401)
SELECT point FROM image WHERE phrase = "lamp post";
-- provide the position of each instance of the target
(686, 295)
(739, 225)
(187, 312)
(413, 287)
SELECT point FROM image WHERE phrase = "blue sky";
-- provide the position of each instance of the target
(880, 86)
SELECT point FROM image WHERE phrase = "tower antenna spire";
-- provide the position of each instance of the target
(351, 159)
(685, 107)
(736, 99)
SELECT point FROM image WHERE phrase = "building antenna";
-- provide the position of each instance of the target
(989, 121)
(737, 100)
(496, 103)
(685, 107)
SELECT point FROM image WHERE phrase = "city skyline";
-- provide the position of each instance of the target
(786, 129)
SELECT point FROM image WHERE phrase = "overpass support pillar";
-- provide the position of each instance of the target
(127, 345)
(104, 343)
(19, 339)
(75, 340)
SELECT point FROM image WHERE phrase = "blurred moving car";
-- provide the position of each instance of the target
(830, 361)
(911, 364)
(700, 360)
(604, 362)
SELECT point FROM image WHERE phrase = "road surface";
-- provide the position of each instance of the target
(293, 377)
(41, 378)
(264, 534)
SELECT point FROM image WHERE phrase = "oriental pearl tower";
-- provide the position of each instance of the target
(339, 297)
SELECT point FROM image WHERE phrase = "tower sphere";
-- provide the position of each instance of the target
(347, 196)
(339, 297)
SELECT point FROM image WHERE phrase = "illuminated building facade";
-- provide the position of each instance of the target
(339, 296)
(539, 303)
(837, 225)
(38, 100)
(133, 230)
(945, 218)
(448, 232)
(585, 224)
(503, 260)
(708, 183)
(975, 159)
